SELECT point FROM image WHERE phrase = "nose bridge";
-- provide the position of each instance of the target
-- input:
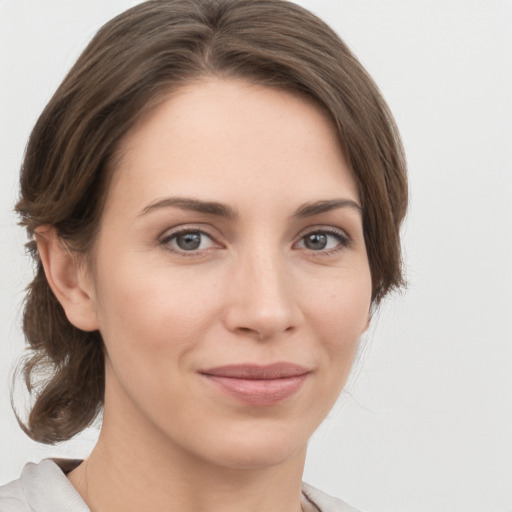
(262, 298)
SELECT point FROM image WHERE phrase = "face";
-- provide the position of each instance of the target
(231, 281)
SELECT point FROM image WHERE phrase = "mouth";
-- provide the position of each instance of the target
(258, 385)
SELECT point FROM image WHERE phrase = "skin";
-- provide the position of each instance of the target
(254, 291)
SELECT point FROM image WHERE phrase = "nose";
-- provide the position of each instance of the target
(262, 301)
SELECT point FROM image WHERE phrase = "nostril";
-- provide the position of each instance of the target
(264, 332)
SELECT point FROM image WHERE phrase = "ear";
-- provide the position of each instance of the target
(67, 279)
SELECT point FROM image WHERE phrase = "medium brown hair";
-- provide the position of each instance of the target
(131, 64)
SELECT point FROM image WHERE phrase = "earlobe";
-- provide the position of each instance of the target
(67, 279)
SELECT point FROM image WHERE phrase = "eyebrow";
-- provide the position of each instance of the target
(195, 205)
(223, 210)
(318, 207)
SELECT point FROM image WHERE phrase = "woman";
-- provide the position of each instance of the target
(214, 196)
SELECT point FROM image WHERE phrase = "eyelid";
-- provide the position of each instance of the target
(324, 228)
(199, 227)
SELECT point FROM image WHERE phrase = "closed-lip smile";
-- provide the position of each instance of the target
(258, 385)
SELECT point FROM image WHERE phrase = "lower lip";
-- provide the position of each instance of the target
(258, 392)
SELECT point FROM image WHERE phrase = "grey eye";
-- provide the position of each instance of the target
(189, 241)
(316, 241)
(323, 241)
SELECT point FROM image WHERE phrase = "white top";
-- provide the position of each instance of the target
(44, 487)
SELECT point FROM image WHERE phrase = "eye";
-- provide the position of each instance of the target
(323, 240)
(188, 241)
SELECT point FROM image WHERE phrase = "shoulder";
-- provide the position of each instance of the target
(323, 502)
(42, 487)
(12, 498)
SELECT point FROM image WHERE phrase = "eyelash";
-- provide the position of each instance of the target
(343, 241)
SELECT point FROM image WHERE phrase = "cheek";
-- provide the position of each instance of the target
(149, 326)
(153, 309)
(342, 306)
(339, 314)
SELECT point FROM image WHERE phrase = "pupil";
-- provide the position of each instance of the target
(189, 241)
(316, 241)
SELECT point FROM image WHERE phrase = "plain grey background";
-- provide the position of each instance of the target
(426, 424)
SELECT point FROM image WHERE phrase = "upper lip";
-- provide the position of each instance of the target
(280, 370)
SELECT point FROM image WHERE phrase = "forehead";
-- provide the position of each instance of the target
(226, 138)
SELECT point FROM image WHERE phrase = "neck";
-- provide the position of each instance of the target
(132, 482)
(131, 472)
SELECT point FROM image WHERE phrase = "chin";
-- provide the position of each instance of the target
(258, 448)
(257, 459)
